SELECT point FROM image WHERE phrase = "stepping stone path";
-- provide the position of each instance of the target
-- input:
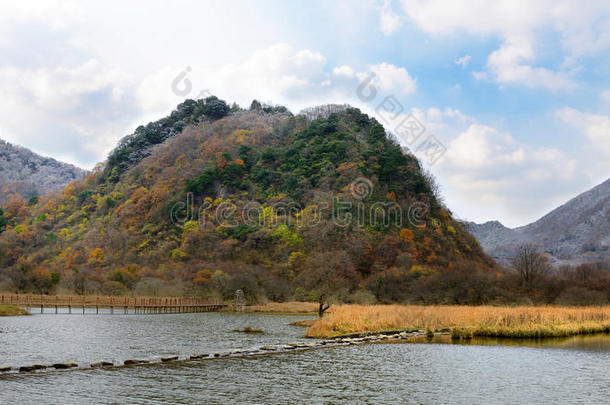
(337, 341)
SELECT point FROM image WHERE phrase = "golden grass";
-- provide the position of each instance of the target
(10, 310)
(293, 307)
(305, 322)
(465, 322)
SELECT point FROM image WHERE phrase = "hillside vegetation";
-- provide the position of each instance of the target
(10, 310)
(216, 198)
(26, 175)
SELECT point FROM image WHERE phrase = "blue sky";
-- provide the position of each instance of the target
(516, 92)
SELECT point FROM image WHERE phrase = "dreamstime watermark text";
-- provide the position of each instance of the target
(351, 209)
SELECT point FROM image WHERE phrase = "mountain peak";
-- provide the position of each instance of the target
(26, 174)
(577, 231)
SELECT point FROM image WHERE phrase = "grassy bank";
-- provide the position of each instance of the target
(9, 310)
(293, 307)
(465, 322)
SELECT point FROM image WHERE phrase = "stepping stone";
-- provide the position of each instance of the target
(135, 361)
(32, 368)
(62, 366)
(102, 364)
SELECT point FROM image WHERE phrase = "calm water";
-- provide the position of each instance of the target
(564, 371)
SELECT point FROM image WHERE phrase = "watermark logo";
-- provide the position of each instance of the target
(361, 188)
(225, 213)
(409, 129)
(417, 214)
(182, 86)
(366, 91)
(432, 148)
(389, 109)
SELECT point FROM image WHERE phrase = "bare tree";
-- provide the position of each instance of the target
(323, 303)
(435, 188)
(531, 265)
(323, 111)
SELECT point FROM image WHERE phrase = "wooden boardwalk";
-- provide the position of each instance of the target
(113, 305)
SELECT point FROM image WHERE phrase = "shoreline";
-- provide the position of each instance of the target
(280, 308)
(11, 310)
(464, 322)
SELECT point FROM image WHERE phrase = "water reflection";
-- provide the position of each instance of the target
(481, 371)
(596, 343)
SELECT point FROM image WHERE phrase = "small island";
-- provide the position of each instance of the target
(465, 322)
(10, 310)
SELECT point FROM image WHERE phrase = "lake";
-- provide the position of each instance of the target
(575, 370)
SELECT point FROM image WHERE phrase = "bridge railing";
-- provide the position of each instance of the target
(100, 300)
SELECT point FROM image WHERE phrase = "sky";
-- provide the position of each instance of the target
(507, 103)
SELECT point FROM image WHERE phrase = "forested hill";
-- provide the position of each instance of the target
(215, 198)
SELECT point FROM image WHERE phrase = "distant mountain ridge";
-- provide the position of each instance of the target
(25, 173)
(577, 231)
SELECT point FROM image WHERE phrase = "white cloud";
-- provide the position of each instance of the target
(389, 21)
(595, 126)
(480, 75)
(488, 174)
(582, 30)
(463, 61)
(343, 71)
(507, 65)
(481, 146)
(471, 149)
(393, 79)
(78, 112)
(69, 113)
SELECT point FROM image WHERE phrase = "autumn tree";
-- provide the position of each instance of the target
(531, 265)
(325, 275)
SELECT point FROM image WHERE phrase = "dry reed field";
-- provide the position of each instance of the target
(293, 307)
(465, 322)
(10, 310)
